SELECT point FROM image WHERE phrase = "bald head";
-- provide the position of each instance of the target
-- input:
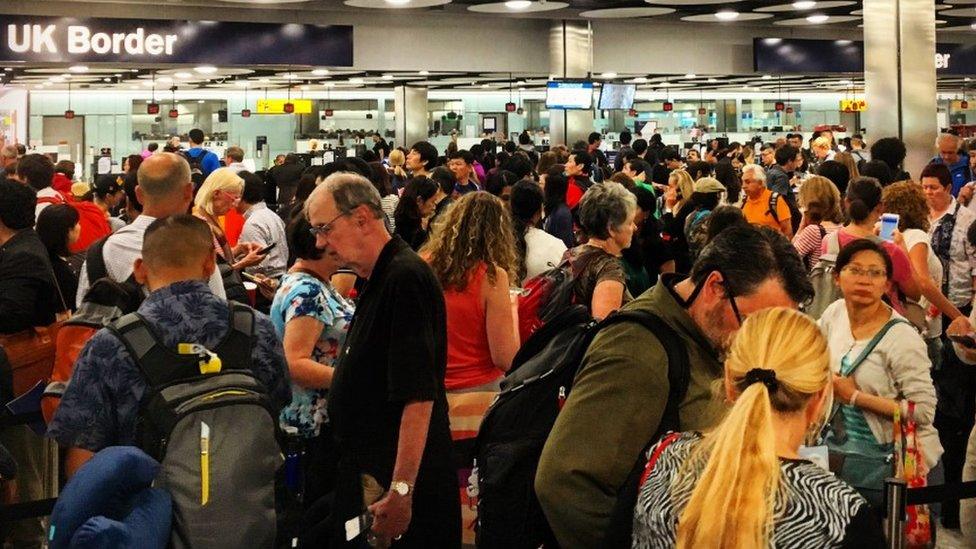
(8, 155)
(164, 181)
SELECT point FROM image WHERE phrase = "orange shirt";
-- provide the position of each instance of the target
(757, 211)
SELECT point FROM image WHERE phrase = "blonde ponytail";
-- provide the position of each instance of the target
(778, 361)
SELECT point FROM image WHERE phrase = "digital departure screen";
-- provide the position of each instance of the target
(617, 96)
(569, 95)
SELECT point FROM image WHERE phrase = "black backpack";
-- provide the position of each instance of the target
(517, 424)
(196, 168)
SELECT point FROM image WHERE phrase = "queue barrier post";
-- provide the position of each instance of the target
(895, 494)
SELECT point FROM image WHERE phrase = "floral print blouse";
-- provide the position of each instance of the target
(301, 294)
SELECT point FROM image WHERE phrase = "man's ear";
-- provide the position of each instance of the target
(209, 265)
(140, 272)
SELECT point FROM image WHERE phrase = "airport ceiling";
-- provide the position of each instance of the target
(953, 15)
(164, 81)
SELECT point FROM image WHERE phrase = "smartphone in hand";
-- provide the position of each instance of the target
(889, 222)
(967, 340)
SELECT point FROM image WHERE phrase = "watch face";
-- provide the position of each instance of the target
(401, 488)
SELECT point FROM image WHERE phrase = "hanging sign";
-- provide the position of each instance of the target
(280, 106)
(39, 39)
(853, 105)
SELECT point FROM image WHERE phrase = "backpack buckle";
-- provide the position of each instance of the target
(209, 361)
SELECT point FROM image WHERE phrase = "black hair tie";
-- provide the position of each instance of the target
(761, 375)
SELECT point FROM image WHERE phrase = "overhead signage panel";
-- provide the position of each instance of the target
(801, 56)
(277, 106)
(29, 38)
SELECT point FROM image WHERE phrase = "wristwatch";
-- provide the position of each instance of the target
(401, 487)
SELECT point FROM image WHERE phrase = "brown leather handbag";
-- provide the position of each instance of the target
(31, 352)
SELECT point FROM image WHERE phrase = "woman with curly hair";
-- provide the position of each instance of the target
(472, 253)
(907, 199)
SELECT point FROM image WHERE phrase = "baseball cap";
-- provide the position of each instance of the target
(708, 185)
(106, 185)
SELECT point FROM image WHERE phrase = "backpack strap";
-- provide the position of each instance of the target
(823, 232)
(236, 348)
(95, 261)
(833, 243)
(872, 344)
(773, 202)
(155, 361)
(620, 530)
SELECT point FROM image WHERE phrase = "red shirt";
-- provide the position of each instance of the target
(469, 361)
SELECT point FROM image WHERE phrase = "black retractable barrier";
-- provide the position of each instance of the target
(897, 496)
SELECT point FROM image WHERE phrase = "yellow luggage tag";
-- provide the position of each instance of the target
(209, 361)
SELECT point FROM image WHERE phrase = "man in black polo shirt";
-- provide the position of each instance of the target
(387, 402)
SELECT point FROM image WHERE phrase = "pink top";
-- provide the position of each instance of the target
(469, 362)
(901, 266)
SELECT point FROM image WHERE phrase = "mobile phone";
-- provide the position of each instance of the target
(250, 277)
(965, 340)
(266, 249)
(889, 222)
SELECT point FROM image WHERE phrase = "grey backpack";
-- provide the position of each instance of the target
(825, 289)
(211, 425)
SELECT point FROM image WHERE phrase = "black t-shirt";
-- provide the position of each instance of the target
(382, 145)
(395, 352)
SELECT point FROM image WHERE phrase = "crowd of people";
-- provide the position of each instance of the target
(386, 305)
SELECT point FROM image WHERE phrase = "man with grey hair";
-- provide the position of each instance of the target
(8, 158)
(762, 206)
(387, 401)
(164, 189)
(958, 164)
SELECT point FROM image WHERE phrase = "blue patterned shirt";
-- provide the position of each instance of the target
(302, 294)
(101, 404)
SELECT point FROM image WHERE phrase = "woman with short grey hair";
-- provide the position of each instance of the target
(606, 213)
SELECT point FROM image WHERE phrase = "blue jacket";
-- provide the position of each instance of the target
(209, 163)
(960, 172)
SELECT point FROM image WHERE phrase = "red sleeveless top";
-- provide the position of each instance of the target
(469, 361)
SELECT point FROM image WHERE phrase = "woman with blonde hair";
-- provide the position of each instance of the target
(744, 484)
(820, 203)
(398, 175)
(677, 206)
(848, 160)
(219, 194)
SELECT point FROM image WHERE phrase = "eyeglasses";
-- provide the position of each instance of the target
(732, 303)
(870, 273)
(231, 197)
(324, 230)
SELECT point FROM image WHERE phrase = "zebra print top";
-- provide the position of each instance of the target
(818, 510)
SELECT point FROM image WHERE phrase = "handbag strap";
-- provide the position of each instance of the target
(872, 344)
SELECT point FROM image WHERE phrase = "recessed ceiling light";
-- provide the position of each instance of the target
(264, 80)
(355, 80)
(106, 79)
(289, 76)
(640, 80)
(805, 5)
(183, 74)
(7, 69)
(843, 42)
(967, 79)
(517, 4)
(766, 77)
(200, 101)
(691, 75)
(78, 68)
(727, 15)
(818, 18)
(320, 72)
(608, 75)
(133, 70)
(424, 73)
(387, 77)
(486, 85)
(205, 69)
(304, 88)
(712, 80)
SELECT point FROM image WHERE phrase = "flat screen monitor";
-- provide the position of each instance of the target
(617, 96)
(569, 95)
